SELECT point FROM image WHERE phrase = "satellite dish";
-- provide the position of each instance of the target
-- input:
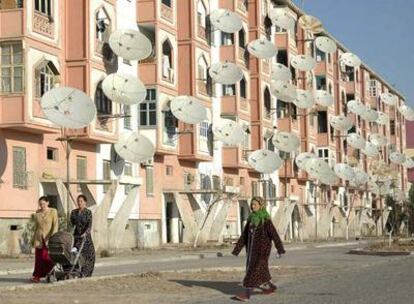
(317, 168)
(117, 162)
(356, 107)
(302, 159)
(188, 109)
(350, 59)
(68, 107)
(323, 98)
(311, 24)
(407, 112)
(303, 62)
(226, 20)
(379, 189)
(341, 123)
(409, 163)
(283, 90)
(281, 72)
(397, 158)
(370, 149)
(130, 44)
(229, 132)
(262, 48)
(123, 88)
(226, 73)
(134, 147)
(355, 141)
(281, 18)
(325, 44)
(344, 171)
(378, 139)
(360, 178)
(329, 179)
(369, 115)
(265, 161)
(389, 99)
(286, 142)
(304, 99)
(383, 119)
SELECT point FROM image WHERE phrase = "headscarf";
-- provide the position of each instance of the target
(259, 217)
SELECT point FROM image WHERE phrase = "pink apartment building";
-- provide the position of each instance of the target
(48, 43)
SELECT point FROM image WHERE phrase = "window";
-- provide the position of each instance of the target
(269, 144)
(392, 127)
(204, 130)
(102, 29)
(330, 88)
(201, 14)
(127, 172)
(322, 122)
(52, 154)
(282, 109)
(332, 133)
(373, 90)
(166, 2)
(320, 56)
(202, 75)
(242, 38)
(282, 57)
(268, 27)
(11, 4)
(255, 188)
(243, 91)
(19, 167)
(227, 38)
(81, 169)
(350, 72)
(229, 89)
(103, 103)
(169, 170)
(127, 118)
(170, 125)
(329, 58)
(106, 173)
(167, 61)
(149, 180)
(45, 77)
(147, 110)
(11, 65)
(43, 6)
(321, 82)
(323, 153)
(267, 99)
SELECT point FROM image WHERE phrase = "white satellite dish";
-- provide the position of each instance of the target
(283, 90)
(262, 48)
(134, 147)
(369, 115)
(229, 132)
(329, 178)
(341, 123)
(317, 168)
(360, 178)
(304, 99)
(407, 112)
(188, 109)
(383, 119)
(281, 18)
(379, 189)
(311, 24)
(370, 149)
(265, 161)
(117, 162)
(397, 158)
(350, 59)
(302, 159)
(389, 99)
(226, 73)
(123, 88)
(378, 139)
(344, 171)
(280, 72)
(356, 141)
(68, 107)
(323, 98)
(325, 44)
(356, 107)
(130, 44)
(409, 163)
(303, 62)
(226, 20)
(286, 142)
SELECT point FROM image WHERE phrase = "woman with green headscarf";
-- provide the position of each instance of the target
(257, 236)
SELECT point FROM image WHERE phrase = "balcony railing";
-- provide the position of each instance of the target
(167, 13)
(43, 24)
(11, 4)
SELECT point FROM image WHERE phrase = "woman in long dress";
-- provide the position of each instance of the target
(257, 236)
(81, 219)
(46, 224)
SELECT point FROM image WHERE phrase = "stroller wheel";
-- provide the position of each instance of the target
(51, 277)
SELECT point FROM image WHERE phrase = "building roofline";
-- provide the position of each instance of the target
(301, 12)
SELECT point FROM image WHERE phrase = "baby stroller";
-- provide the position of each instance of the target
(68, 260)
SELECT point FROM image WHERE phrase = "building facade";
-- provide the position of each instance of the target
(195, 187)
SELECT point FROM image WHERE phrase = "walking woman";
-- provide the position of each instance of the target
(81, 219)
(257, 236)
(45, 225)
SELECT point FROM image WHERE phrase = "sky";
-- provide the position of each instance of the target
(380, 32)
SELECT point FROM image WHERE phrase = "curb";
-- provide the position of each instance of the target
(361, 251)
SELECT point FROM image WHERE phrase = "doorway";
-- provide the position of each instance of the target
(174, 224)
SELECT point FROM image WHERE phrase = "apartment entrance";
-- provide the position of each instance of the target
(174, 224)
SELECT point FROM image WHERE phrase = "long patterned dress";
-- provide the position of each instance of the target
(82, 221)
(258, 242)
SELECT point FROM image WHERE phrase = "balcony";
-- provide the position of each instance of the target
(43, 24)
(227, 52)
(243, 56)
(282, 40)
(188, 146)
(229, 105)
(167, 13)
(350, 87)
(11, 20)
(146, 11)
(323, 139)
(234, 157)
(93, 135)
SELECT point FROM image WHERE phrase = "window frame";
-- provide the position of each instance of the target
(13, 65)
(149, 111)
(19, 169)
(47, 10)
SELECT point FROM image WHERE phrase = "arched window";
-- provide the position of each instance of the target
(167, 61)
(167, 2)
(103, 103)
(267, 99)
(102, 28)
(45, 76)
(202, 75)
(242, 38)
(243, 88)
(268, 27)
(201, 14)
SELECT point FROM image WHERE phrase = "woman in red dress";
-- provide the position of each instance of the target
(257, 236)
(46, 224)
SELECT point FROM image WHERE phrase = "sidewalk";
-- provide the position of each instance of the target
(25, 264)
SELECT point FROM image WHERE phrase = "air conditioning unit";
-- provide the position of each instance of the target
(148, 163)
